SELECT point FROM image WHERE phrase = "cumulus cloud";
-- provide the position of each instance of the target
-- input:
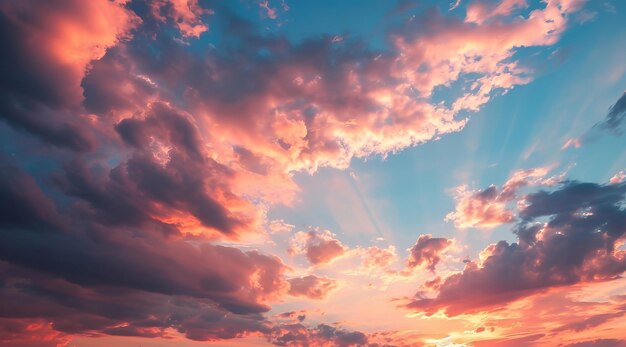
(618, 177)
(75, 309)
(489, 207)
(578, 244)
(30, 333)
(185, 14)
(152, 146)
(376, 258)
(280, 226)
(311, 286)
(310, 113)
(322, 335)
(319, 246)
(85, 275)
(427, 251)
(46, 49)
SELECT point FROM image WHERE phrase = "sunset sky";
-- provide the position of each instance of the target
(312, 173)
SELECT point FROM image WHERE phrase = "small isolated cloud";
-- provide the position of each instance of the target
(311, 286)
(572, 143)
(269, 12)
(319, 246)
(427, 251)
(279, 226)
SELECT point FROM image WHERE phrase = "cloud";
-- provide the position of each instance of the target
(153, 145)
(319, 246)
(376, 258)
(591, 322)
(186, 15)
(488, 208)
(86, 256)
(46, 50)
(427, 251)
(578, 244)
(618, 177)
(615, 117)
(30, 333)
(482, 11)
(29, 207)
(168, 180)
(480, 209)
(302, 112)
(322, 335)
(600, 343)
(311, 286)
(280, 226)
(613, 123)
(73, 309)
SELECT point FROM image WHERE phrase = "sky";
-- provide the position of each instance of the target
(312, 173)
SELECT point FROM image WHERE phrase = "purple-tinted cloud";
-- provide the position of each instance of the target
(577, 244)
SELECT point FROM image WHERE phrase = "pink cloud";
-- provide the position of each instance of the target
(481, 11)
(578, 244)
(269, 12)
(186, 14)
(50, 50)
(376, 258)
(427, 251)
(319, 246)
(311, 286)
(31, 333)
(618, 177)
(489, 208)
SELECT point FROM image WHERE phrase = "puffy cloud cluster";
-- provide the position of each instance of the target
(83, 276)
(376, 258)
(134, 145)
(427, 251)
(46, 49)
(322, 335)
(618, 177)
(489, 207)
(319, 246)
(579, 243)
(185, 14)
(311, 286)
